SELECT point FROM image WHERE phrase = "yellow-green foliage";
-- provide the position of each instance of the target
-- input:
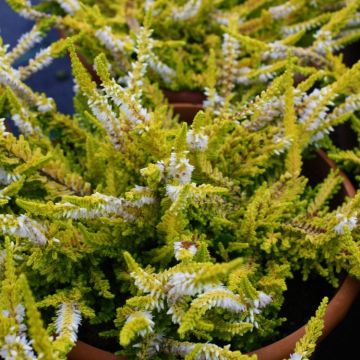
(313, 330)
(183, 235)
(183, 31)
(21, 319)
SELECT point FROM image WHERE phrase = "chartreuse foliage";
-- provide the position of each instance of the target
(21, 320)
(184, 236)
(305, 347)
(250, 38)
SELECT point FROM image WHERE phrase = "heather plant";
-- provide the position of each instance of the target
(349, 158)
(174, 239)
(251, 38)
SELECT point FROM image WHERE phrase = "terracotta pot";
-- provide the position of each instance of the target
(83, 351)
(186, 111)
(335, 313)
(184, 96)
(279, 350)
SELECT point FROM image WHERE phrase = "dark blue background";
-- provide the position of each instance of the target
(55, 80)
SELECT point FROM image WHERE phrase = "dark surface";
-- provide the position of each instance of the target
(56, 81)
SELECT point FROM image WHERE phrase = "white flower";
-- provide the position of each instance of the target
(211, 352)
(182, 283)
(323, 42)
(180, 168)
(76, 87)
(68, 321)
(307, 104)
(180, 348)
(268, 111)
(23, 227)
(31, 14)
(69, 6)
(351, 104)
(283, 142)
(296, 356)
(282, 11)
(277, 51)
(42, 59)
(11, 77)
(241, 76)
(265, 75)
(128, 104)
(176, 313)
(7, 178)
(104, 206)
(320, 135)
(139, 67)
(230, 46)
(197, 141)
(153, 345)
(15, 344)
(45, 105)
(189, 10)
(161, 166)
(24, 126)
(31, 229)
(230, 49)
(263, 300)
(20, 313)
(3, 131)
(173, 191)
(184, 246)
(251, 316)
(104, 113)
(148, 4)
(25, 42)
(223, 298)
(344, 221)
(146, 197)
(144, 315)
(166, 72)
(150, 285)
(107, 38)
(213, 99)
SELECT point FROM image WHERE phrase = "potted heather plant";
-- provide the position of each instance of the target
(177, 240)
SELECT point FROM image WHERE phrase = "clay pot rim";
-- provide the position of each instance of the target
(179, 97)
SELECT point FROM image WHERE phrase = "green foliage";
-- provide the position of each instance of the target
(313, 330)
(183, 31)
(182, 236)
(20, 319)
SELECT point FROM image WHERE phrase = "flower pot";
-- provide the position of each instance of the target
(184, 97)
(186, 111)
(336, 311)
(83, 351)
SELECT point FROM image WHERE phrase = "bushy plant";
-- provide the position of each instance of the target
(176, 239)
(250, 38)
